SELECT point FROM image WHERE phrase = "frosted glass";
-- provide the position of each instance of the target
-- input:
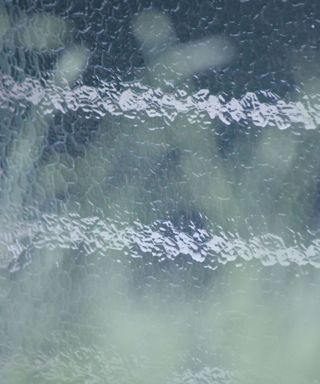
(159, 192)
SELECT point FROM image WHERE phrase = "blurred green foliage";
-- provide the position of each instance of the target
(68, 318)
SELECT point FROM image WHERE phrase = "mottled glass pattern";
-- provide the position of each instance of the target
(159, 192)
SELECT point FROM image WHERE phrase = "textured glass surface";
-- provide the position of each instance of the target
(159, 192)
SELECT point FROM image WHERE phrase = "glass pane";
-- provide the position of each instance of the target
(159, 192)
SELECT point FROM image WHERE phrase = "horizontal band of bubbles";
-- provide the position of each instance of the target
(161, 240)
(138, 101)
(153, 30)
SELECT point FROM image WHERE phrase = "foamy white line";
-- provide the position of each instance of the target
(133, 100)
(161, 240)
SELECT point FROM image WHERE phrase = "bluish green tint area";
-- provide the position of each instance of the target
(159, 205)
